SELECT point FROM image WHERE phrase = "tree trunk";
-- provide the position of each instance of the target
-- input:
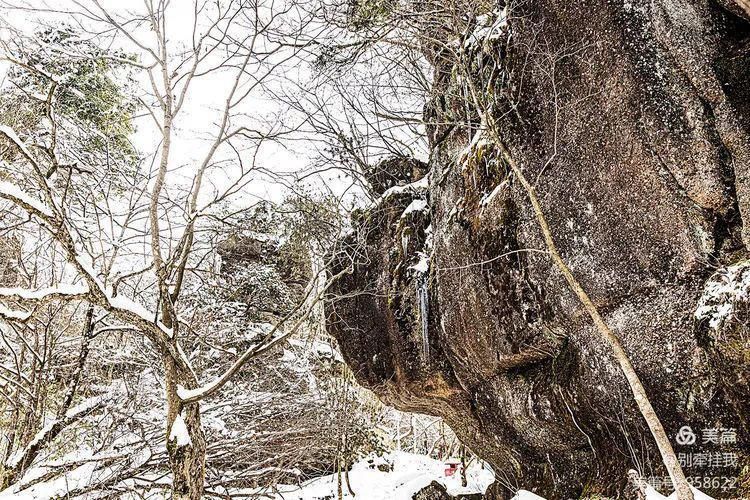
(346, 478)
(340, 489)
(186, 456)
(464, 481)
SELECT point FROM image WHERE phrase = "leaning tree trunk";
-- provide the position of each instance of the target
(668, 456)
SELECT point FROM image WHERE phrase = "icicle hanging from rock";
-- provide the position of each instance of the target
(421, 281)
(424, 306)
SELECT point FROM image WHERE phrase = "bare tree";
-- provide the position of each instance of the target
(153, 230)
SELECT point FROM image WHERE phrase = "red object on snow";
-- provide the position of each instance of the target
(450, 469)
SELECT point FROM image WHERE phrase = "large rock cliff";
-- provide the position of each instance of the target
(632, 119)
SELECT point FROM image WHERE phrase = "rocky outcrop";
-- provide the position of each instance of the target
(264, 274)
(633, 121)
(392, 172)
(436, 491)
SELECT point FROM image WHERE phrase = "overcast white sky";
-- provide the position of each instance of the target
(194, 127)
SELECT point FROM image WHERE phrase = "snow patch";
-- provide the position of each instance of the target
(488, 28)
(86, 406)
(321, 348)
(41, 293)
(722, 292)
(487, 199)
(16, 457)
(406, 474)
(526, 495)
(423, 265)
(14, 315)
(184, 393)
(417, 187)
(478, 141)
(417, 205)
(651, 494)
(16, 195)
(179, 432)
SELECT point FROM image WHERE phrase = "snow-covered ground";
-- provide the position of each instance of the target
(397, 475)
(652, 494)
(410, 474)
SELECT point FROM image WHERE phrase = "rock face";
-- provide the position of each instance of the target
(392, 172)
(436, 491)
(633, 120)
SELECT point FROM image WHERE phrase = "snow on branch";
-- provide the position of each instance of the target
(129, 310)
(68, 292)
(13, 137)
(14, 194)
(22, 458)
(64, 291)
(198, 393)
(11, 315)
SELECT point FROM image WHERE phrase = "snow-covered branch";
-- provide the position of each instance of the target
(68, 292)
(36, 297)
(12, 136)
(22, 458)
(13, 315)
(270, 340)
(15, 195)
